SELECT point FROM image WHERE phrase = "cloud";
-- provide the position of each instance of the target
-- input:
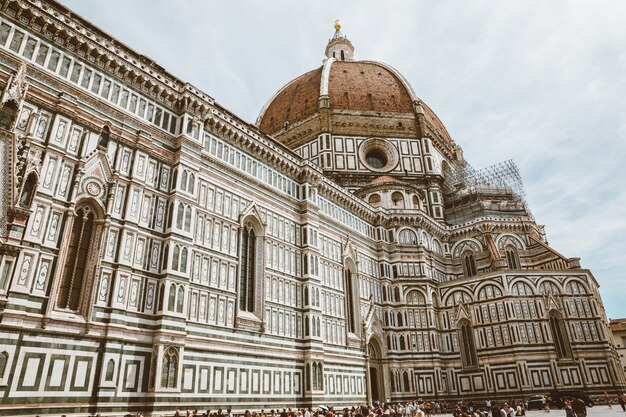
(540, 82)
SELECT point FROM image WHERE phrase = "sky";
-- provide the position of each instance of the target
(539, 82)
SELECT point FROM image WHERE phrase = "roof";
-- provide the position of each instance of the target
(367, 86)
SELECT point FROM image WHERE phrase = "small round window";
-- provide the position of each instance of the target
(378, 155)
(376, 158)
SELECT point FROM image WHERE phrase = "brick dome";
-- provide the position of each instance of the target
(349, 85)
(365, 86)
(345, 97)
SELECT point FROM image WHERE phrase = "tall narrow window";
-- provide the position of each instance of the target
(247, 269)
(28, 191)
(103, 141)
(406, 381)
(466, 344)
(81, 248)
(110, 370)
(180, 216)
(559, 335)
(469, 265)
(4, 360)
(350, 319)
(169, 368)
(512, 259)
(171, 298)
(180, 299)
(320, 377)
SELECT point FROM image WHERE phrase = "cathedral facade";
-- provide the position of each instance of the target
(157, 252)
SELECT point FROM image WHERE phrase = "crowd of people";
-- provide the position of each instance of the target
(573, 407)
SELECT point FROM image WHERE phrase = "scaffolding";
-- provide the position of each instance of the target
(463, 179)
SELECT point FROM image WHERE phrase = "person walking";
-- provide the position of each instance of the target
(621, 399)
(579, 407)
(568, 409)
(607, 399)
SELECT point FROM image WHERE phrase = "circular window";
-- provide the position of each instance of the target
(376, 158)
(378, 155)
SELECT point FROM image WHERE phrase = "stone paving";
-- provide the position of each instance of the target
(597, 411)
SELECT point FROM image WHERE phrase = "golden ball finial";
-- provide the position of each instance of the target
(337, 24)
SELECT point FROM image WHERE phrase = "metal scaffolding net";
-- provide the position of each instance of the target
(504, 177)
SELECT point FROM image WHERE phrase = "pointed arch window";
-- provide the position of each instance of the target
(28, 191)
(180, 299)
(467, 345)
(103, 141)
(512, 258)
(171, 298)
(180, 215)
(169, 368)
(79, 259)
(110, 370)
(4, 360)
(247, 269)
(559, 335)
(351, 312)
(469, 265)
(188, 219)
(406, 381)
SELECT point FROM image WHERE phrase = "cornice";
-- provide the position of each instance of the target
(60, 26)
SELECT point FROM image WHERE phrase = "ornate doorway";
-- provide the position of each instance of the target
(376, 374)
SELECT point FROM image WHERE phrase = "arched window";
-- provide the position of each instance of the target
(110, 370)
(415, 297)
(374, 200)
(188, 219)
(160, 297)
(521, 288)
(407, 237)
(466, 344)
(400, 321)
(416, 202)
(171, 298)
(176, 258)
(180, 299)
(306, 296)
(8, 114)
(103, 141)
(469, 265)
(247, 269)
(559, 335)
(397, 199)
(169, 368)
(191, 183)
(392, 378)
(350, 302)
(306, 325)
(489, 292)
(406, 381)
(320, 377)
(307, 376)
(4, 360)
(28, 191)
(180, 216)
(402, 342)
(183, 180)
(77, 266)
(512, 258)
(575, 288)
(183, 260)
(548, 287)
(165, 255)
